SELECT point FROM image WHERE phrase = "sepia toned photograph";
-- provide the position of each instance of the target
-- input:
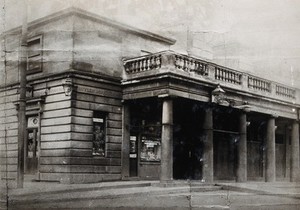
(150, 105)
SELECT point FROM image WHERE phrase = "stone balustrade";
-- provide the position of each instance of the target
(210, 72)
(285, 91)
(190, 64)
(228, 75)
(145, 63)
(260, 84)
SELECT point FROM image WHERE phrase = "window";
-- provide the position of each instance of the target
(32, 138)
(99, 131)
(34, 57)
(151, 141)
(150, 149)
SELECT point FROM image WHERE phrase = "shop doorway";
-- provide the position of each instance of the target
(31, 149)
(187, 143)
(225, 155)
(225, 140)
(145, 139)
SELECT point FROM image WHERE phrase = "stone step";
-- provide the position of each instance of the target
(205, 188)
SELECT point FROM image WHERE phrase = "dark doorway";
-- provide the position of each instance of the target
(226, 138)
(145, 138)
(225, 155)
(187, 144)
(133, 156)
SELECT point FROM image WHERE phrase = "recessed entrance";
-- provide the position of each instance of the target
(225, 155)
(187, 143)
(226, 138)
(31, 148)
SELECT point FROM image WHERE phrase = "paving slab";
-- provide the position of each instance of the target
(152, 195)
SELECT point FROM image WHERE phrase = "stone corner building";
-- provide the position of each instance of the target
(106, 101)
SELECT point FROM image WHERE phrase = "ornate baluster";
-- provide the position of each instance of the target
(184, 64)
(227, 76)
(130, 67)
(200, 68)
(181, 63)
(285, 91)
(192, 66)
(205, 70)
(249, 82)
(145, 64)
(235, 78)
(221, 74)
(135, 66)
(158, 63)
(141, 65)
(196, 67)
(187, 64)
(154, 62)
(217, 73)
(265, 86)
(177, 62)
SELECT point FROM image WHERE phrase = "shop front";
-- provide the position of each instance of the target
(189, 140)
(189, 119)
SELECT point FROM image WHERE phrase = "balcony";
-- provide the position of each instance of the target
(197, 70)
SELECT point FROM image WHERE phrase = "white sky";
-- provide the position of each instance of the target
(261, 34)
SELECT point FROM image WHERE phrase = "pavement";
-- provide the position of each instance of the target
(152, 195)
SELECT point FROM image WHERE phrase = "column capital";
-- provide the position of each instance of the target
(273, 115)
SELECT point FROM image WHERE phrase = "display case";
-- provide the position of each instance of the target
(150, 148)
(150, 142)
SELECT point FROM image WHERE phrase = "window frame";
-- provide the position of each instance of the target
(36, 57)
(100, 115)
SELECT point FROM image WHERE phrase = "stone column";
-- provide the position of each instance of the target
(208, 153)
(270, 151)
(295, 152)
(166, 172)
(242, 149)
(287, 152)
(125, 141)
